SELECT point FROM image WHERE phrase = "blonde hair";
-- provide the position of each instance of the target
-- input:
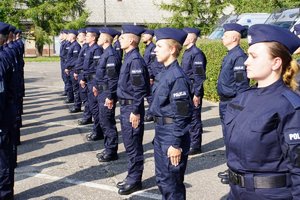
(290, 67)
(177, 45)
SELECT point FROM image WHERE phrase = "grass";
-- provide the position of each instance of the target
(42, 59)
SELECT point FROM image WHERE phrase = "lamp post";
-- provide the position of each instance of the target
(104, 8)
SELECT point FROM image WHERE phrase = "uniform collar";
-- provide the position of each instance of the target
(174, 63)
(130, 52)
(237, 47)
(271, 88)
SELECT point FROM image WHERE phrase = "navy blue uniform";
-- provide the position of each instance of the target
(106, 82)
(117, 47)
(78, 69)
(263, 141)
(133, 87)
(172, 110)
(72, 56)
(232, 78)
(63, 55)
(7, 158)
(90, 62)
(194, 66)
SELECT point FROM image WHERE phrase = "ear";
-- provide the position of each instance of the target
(277, 64)
(172, 50)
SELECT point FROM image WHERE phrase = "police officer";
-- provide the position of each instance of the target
(150, 60)
(71, 59)
(194, 65)
(262, 124)
(105, 88)
(90, 62)
(76, 70)
(63, 53)
(232, 78)
(297, 32)
(6, 103)
(172, 110)
(133, 87)
(117, 46)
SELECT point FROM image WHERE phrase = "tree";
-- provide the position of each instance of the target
(201, 14)
(244, 6)
(47, 17)
(50, 16)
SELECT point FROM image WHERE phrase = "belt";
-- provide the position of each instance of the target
(276, 181)
(125, 102)
(163, 120)
(90, 77)
(222, 98)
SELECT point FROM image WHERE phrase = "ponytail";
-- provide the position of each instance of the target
(289, 76)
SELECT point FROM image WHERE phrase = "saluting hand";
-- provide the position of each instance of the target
(175, 155)
(134, 119)
(109, 103)
(196, 101)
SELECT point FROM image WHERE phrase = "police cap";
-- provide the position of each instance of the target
(18, 31)
(82, 30)
(270, 33)
(234, 27)
(73, 32)
(110, 31)
(4, 28)
(149, 32)
(92, 30)
(12, 28)
(136, 30)
(171, 33)
(192, 30)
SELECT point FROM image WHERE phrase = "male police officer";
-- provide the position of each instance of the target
(63, 53)
(78, 68)
(149, 57)
(194, 65)
(232, 78)
(117, 46)
(6, 102)
(105, 88)
(133, 86)
(72, 56)
(90, 62)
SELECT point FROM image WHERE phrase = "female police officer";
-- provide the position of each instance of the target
(172, 109)
(263, 124)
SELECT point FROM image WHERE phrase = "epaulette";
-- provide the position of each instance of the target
(196, 50)
(293, 98)
(135, 56)
(178, 73)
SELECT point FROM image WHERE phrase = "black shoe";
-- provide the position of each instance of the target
(98, 155)
(225, 180)
(84, 121)
(94, 137)
(121, 184)
(149, 119)
(69, 101)
(107, 158)
(224, 175)
(130, 188)
(75, 110)
(195, 151)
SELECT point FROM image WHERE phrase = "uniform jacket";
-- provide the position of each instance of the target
(72, 55)
(194, 65)
(233, 78)
(262, 137)
(91, 59)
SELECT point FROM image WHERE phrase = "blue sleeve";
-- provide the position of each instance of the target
(97, 53)
(199, 72)
(182, 108)
(240, 75)
(139, 80)
(112, 72)
(74, 57)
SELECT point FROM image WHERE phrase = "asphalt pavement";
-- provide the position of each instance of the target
(55, 161)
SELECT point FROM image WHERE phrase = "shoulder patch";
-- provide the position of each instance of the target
(136, 71)
(293, 98)
(239, 68)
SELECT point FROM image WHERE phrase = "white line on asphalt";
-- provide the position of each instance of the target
(55, 124)
(46, 86)
(91, 185)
